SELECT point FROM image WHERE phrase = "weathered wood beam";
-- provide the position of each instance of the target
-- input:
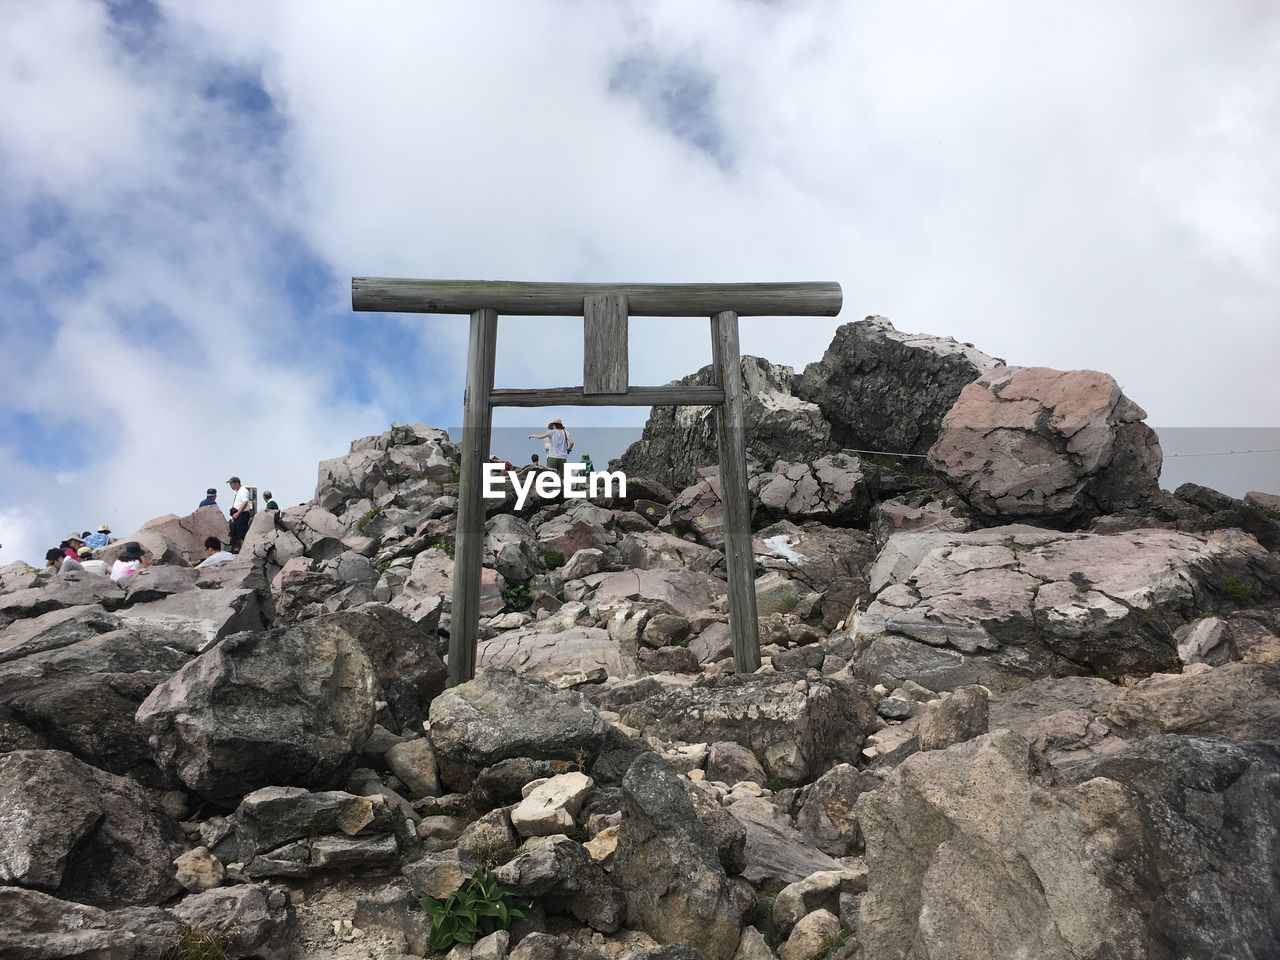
(604, 350)
(518, 298)
(674, 396)
(477, 422)
(634, 397)
(731, 431)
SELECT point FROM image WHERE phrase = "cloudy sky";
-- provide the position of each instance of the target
(186, 190)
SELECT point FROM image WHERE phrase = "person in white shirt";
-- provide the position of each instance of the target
(241, 513)
(129, 562)
(559, 445)
(214, 554)
(90, 564)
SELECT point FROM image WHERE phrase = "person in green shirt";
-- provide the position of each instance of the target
(591, 467)
(271, 504)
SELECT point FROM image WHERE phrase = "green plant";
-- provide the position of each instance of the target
(479, 907)
(445, 545)
(789, 603)
(370, 515)
(1237, 589)
(193, 943)
(554, 559)
(517, 598)
(830, 946)
(883, 460)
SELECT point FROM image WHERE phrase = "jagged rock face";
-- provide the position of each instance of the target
(1165, 849)
(70, 829)
(885, 390)
(1028, 603)
(37, 926)
(407, 460)
(677, 441)
(290, 707)
(836, 489)
(1062, 447)
(830, 562)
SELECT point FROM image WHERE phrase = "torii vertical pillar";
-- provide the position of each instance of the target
(468, 559)
(731, 432)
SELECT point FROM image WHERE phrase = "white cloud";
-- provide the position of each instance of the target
(1086, 185)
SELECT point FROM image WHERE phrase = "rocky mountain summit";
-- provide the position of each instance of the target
(1015, 701)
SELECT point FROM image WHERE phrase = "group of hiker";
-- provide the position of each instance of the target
(83, 552)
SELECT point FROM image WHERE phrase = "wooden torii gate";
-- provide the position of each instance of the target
(605, 309)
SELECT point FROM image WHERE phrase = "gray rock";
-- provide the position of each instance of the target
(714, 643)
(83, 834)
(512, 548)
(1030, 442)
(666, 864)
(960, 717)
(1239, 701)
(811, 936)
(551, 653)
(729, 762)
(414, 762)
(830, 562)
(408, 461)
(253, 920)
(729, 835)
(834, 489)
(753, 946)
(657, 550)
(666, 630)
(502, 714)
(272, 816)
(825, 810)
(698, 512)
(1050, 864)
(564, 878)
(887, 390)
(818, 891)
(291, 706)
(776, 852)
(795, 726)
(37, 926)
(682, 592)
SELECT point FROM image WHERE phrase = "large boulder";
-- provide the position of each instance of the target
(290, 706)
(502, 714)
(428, 590)
(511, 547)
(565, 879)
(677, 441)
(1062, 447)
(37, 926)
(83, 834)
(797, 726)
(698, 511)
(217, 602)
(404, 657)
(59, 593)
(881, 389)
(684, 592)
(547, 654)
(666, 863)
(1011, 604)
(1165, 846)
(81, 696)
(174, 539)
(776, 852)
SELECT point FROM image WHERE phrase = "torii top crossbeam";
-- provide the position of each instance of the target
(605, 309)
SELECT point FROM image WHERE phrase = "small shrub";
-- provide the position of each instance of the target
(789, 603)
(193, 943)
(370, 515)
(1237, 590)
(554, 559)
(883, 460)
(517, 598)
(384, 566)
(831, 945)
(479, 907)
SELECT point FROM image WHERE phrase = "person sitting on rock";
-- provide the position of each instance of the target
(100, 539)
(241, 513)
(210, 498)
(65, 563)
(92, 565)
(534, 462)
(214, 554)
(129, 561)
(271, 504)
(71, 546)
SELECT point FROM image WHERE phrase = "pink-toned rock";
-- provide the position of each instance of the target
(681, 591)
(174, 539)
(697, 510)
(1049, 444)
